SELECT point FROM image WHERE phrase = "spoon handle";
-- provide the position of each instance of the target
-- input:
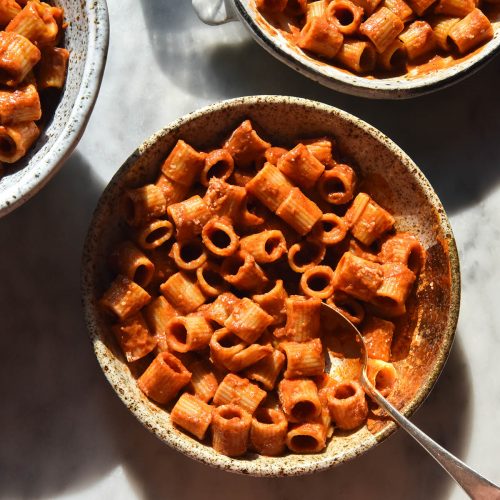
(475, 485)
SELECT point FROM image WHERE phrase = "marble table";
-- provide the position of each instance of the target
(64, 433)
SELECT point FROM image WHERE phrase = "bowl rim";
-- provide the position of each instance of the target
(207, 455)
(360, 86)
(69, 136)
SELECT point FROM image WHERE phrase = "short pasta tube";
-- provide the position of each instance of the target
(309, 437)
(19, 105)
(473, 30)
(220, 309)
(337, 185)
(188, 333)
(318, 282)
(305, 254)
(394, 57)
(182, 292)
(378, 334)
(347, 306)
(219, 237)
(382, 375)
(458, 8)
(219, 164)
(188, 255)
(320, 37)
(347, 405)
(189, 217)
(299, 399)
(241, 271)
(127, 260)
(357, 55)
(16, 139)
(299, 212)
(8, 10)
(172, 191)
(184, 164)
(192, 415)
(203, 383)
(266, 246)
(303, 318)
(267, 370)
(225, 200)
(269, 186)
(51, 71)
(396, 286)
(164, 378)
(133, 336)
(368, 6)
(301, 166)
(124, 298)
(418, 39)
(345, 15)
(442, 26)
(143, 204)
(158, 313)
(17, 58)
(154, 234)
(209, 280)
(239, 391)
(322, 149)
(248, 320)
(382, 28)
(273, 154)
(268, 432)
(303, 359)
(245, 145)
(421, 7)
(230, 430)
(330, 229)
(404, 248)
(400, 8)
(272, 300)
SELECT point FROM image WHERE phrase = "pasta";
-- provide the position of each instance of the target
(30, 63)
(228, 308)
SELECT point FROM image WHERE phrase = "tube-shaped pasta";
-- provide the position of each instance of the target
(188, 255)
(17, 58)
(383, 376)
(241, 271)
(315, 9)
(266, 370)
(192, 414)
(268, 432)
(442, 26)
(271, 5)
(128, 260)
(299, 399)
(273, 154)
(154, 234)
(303, 318)
(347, 306)
(269, 186)
(19, 105)
(320, 37)
(210, 280)
(299, 212)
(124, 298)
(221, 308)
(164, 378)
(189, 217)
(304, 359)
(458, 8)
(157, 314)
(418, 39)
(143, 204)
(188, 333)
(164, 266)
(378, 334)
(305, 254)
(182, 292)
(400, 8)
(51, 70)
(183, 164)
(230, 429)
(239, 391)
(218, 164)
(219, 237)
(394, 57)
(404, 248)
(266, 246)
(309, 437)
(317, 282)
(322, 149)
(133, 336)
(421, 6)
(368, 6)
(301, 166)
(248, 320)
(172, 191)
(347, 405)
(357, 55)
(16, 139)
(330, 229)
(8, 10)
(245, 145)
(382, 28)
(473, 30)
(345, 15)
(203, 383)
(272, 301)
(396, 286)
(337, 185)
(36, 23)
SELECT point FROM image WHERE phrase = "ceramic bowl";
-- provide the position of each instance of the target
(86, 37)
(394, 180)
(398, 87)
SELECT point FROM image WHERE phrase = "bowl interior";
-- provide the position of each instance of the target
(423, 79)
(388, 175)
(66, 114)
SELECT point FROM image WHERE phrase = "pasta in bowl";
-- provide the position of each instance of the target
(212, 336)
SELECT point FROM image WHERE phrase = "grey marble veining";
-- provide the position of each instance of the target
(63, 432)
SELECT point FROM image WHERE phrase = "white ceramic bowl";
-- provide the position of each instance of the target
(86, 37)
(398, 87)
(397, 183)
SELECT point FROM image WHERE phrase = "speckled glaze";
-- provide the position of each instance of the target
(86, 37)
(388, 174)
(400, 87)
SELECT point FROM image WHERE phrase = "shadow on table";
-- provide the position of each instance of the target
(398, 468)
(53, 432)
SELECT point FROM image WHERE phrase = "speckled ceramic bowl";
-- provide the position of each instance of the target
(86, 37)
(392, 178)
(399, 87)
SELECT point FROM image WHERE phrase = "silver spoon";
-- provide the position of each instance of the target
(475, 485)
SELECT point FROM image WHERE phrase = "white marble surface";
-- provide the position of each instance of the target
(64, 433)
